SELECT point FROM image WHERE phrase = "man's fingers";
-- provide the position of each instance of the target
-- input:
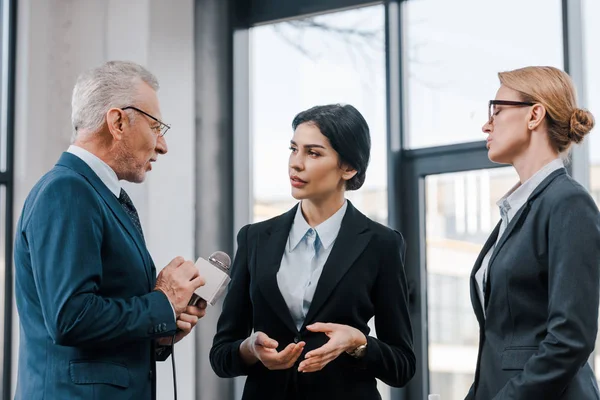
(195, 310)
(197, 282)
(176, 262)
(185, 317)
(189, 270)
(202, 304)
(184, 326)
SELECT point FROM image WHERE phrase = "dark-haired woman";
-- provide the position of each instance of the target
(306, 283)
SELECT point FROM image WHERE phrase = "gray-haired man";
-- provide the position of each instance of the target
(94, 317)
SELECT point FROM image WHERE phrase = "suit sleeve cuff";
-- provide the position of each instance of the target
(174, 314)
(162, 318)
(238, 365)
(366, 360)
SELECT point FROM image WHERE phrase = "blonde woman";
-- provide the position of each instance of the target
(535, 284)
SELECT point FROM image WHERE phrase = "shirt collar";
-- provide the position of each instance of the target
(518, 195)
(327, 230)
(100, 168)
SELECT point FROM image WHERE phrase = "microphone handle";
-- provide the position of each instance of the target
(194, 300)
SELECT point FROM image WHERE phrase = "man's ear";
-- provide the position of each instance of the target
(116, 120)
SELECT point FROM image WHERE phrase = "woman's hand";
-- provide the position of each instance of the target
(260, 347)
(341, 338)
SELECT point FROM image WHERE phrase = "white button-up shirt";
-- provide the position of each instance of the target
(305, 254)
(509, 205)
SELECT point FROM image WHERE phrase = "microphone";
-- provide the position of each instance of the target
(216, 274)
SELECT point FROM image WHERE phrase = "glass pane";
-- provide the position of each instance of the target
(452, 63)
(3, 94)
(3, 26)
(2, 275)
(461, 213)
(332, 58)
(592, 67)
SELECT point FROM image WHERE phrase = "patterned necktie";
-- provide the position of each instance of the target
(129, 208)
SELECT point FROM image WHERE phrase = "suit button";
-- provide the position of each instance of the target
(150, 375)
(164, 327)
(296, 339)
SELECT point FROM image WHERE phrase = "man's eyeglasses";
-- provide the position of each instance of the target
(161, 129)
(494, 103)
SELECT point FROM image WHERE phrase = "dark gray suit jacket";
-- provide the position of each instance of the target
(541, 299)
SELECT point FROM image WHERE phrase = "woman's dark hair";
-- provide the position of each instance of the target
(348, 134)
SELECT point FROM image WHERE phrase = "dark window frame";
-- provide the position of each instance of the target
(7, 180)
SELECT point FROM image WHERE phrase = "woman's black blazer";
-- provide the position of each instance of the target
(363, 277)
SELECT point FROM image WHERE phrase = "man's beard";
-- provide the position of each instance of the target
(129, 168)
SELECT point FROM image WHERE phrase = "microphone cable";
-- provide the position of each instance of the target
(173, 363)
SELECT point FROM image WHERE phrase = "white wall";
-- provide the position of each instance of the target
(58, 39)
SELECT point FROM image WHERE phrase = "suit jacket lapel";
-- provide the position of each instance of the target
(351, 241)
(522, 213)
(75, 163)
(516, 221)
(475, 299)
(270, 248)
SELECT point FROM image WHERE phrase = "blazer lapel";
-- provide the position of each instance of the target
(351, 241)
(475, 300)
(270, 248)
(75, 163)
(524, 210)
(516, 221)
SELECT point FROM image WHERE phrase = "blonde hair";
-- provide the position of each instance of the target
(553, 89)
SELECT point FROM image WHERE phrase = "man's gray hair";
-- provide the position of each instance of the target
(112, 85)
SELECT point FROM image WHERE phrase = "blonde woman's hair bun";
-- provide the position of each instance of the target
(582, 122)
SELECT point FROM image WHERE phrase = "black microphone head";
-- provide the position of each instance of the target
(220, 258)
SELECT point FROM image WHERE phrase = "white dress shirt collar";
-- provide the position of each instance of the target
(519, 194)
(100, 168)
(326, 230)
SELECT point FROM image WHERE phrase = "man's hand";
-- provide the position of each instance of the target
(186, 322)
(177, 281)
(260, 347)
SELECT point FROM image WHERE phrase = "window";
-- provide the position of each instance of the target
(461, 212)
(6, 98)
(455, 50)
(297, 64)
(591, 53)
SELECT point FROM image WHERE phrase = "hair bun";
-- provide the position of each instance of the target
(582, 122)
